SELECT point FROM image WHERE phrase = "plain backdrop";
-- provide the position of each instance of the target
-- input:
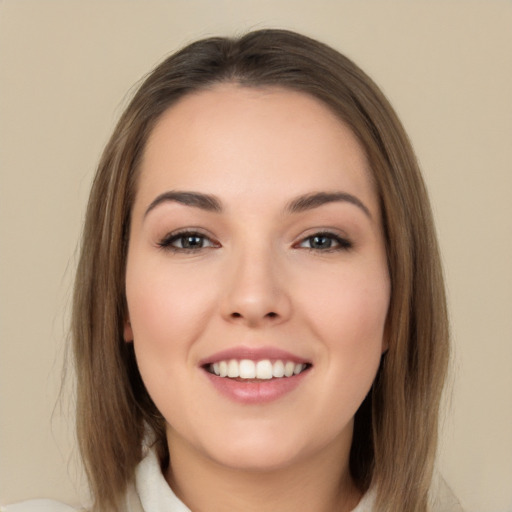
(67, 69)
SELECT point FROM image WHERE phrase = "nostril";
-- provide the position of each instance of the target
(271, 314)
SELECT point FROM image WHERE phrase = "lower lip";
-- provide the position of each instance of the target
(251, 392)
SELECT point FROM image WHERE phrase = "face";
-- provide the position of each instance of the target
(256, 281)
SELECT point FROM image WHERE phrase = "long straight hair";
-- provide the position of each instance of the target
(396, 427)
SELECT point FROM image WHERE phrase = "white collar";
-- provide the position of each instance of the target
(156, 495)
(153, 490)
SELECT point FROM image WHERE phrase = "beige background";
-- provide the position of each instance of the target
(66, 69)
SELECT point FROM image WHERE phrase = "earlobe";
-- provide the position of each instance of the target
(128, 332)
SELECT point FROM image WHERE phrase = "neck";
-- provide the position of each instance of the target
(320, 481)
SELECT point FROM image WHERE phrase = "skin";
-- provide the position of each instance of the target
(260, 279)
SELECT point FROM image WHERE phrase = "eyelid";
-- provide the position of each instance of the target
(165, 243)
(343, 242)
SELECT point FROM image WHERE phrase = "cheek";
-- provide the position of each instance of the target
(350, 307)
(349, 317)
(353, 338)
(165, 308)
(166, 311)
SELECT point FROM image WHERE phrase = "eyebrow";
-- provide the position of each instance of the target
(194, 199)
(300, 204)
(315, 200)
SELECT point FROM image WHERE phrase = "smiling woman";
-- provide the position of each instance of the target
(259, 315)
(264, 315)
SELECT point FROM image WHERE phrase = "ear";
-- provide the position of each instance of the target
(128, 331)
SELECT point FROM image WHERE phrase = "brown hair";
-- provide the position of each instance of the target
(395, 432)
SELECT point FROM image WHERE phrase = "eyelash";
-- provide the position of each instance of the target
(167, 242)
(341, 244)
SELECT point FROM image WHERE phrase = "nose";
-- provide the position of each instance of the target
(256, 293)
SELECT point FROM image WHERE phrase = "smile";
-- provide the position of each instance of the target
(263, 369)
(249, 375)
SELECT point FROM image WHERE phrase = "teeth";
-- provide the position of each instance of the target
(233, 369)
(264, 369)
(278, 369)
(247, 369)
(289, 368)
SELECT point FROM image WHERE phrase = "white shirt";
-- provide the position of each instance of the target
(155, 495)
(153, 491)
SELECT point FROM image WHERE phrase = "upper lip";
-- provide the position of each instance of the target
(254, 354)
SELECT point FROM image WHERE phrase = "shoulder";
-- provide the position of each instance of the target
(38, 506)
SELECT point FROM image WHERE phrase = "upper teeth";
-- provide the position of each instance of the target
(248, 369)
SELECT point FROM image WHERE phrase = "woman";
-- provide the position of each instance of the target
(259, 317)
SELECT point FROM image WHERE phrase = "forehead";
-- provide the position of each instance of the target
(234, 137)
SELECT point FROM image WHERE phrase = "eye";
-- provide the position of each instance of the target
(325, 242)
(187, 241)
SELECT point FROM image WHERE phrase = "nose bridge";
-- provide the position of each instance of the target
(255, 290)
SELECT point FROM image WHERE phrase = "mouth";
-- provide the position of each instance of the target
(248, 370)
(255, 375)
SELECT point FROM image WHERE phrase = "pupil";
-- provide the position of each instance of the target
(321, 242)
(192, 242)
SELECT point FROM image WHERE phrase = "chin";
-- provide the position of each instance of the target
(260, 452)
(257, 460)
